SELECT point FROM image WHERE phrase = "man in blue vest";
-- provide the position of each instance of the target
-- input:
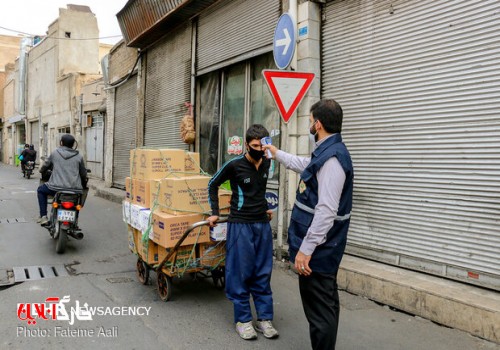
(320, 219)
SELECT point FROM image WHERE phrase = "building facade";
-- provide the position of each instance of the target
(43, 96)
(417, 84)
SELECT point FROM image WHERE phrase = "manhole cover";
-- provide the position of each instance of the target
(33, 273)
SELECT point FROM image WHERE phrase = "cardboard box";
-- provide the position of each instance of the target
(154, 192)
(148, 251)
(224, 202)
(128, 188)
(184, 258)
(155, 164)
(141, 192)
(184, 195)
(192, 164)
(219, 232)
(212, 254)
(131, 239)
(168, 229)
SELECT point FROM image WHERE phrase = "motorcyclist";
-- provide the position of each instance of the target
(33, 152)
(68, 173)
(23, 156)
(29, 155)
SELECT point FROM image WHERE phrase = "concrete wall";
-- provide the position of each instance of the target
(58, 67)
(77, 56)
(8, 111)
(121, 61)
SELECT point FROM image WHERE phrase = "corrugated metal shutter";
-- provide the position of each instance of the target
(168, 78)
(419, 85)
(124, 130)
(232, 28)
(35, 139)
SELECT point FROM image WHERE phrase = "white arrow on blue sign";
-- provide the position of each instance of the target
(284, 41)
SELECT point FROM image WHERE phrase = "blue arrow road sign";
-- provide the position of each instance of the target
(284, 41)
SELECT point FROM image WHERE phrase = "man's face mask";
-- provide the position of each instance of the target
(255, 154)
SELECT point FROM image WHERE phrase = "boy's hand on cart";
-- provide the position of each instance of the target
(213, 220)
(269, 214)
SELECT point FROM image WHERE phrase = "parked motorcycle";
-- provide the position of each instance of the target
(29, 167)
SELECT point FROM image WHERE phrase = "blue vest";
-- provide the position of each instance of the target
(327, 256)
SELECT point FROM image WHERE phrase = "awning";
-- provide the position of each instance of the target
(17, 118)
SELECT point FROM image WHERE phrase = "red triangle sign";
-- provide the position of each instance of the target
(288, 89)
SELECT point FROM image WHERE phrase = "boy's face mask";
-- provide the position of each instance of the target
(255, 154)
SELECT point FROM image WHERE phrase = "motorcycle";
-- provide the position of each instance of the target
(63, 216)
(28, 169)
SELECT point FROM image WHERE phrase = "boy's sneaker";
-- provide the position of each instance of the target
(266, 328)
(246, 330)
(43, 220)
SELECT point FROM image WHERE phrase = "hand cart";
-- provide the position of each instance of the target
(165, 273)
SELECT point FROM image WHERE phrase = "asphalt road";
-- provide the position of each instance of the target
(129, 315)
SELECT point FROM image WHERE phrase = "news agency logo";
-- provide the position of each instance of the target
(56, 309)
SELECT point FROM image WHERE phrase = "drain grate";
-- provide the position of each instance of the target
(33, 273)
(12, 221)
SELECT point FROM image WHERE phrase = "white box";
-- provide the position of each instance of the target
(126, 211)
(144, 216)
(135, 216)
(219, 232)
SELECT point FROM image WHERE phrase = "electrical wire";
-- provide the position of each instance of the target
(52, 37)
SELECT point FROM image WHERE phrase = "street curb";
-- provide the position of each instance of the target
(110, 194)
(471, 309)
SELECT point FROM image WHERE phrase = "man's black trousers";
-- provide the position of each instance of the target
(320, 299)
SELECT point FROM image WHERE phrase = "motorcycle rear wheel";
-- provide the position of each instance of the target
(62, 239)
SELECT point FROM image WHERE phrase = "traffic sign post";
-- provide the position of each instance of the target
(284, 41)
(288, 89)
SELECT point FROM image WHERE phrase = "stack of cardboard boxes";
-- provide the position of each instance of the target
(165, 194)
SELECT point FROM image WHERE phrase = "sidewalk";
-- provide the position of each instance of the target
(452, 304)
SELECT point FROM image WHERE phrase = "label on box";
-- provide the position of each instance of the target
(219, 232)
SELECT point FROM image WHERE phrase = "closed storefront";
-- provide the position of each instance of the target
(235, 30)
(418, 82)
(234, 44)
(124, 129)
(168, 79)
(94, 144)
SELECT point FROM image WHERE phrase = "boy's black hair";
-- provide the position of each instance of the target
(329, 113)
(68, 140)
(256, 132)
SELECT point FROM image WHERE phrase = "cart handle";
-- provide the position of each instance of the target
(184, 235)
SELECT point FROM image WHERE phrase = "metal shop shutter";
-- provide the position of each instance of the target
(419, 82)
(232, 28)
(168, 78)
(124, 130)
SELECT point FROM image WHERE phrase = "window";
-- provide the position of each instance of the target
(230, 100)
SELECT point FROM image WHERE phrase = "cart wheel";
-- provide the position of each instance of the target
(164, 284)
(142, 272)
(219, 278)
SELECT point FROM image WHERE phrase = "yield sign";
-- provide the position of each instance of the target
(288, 89)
